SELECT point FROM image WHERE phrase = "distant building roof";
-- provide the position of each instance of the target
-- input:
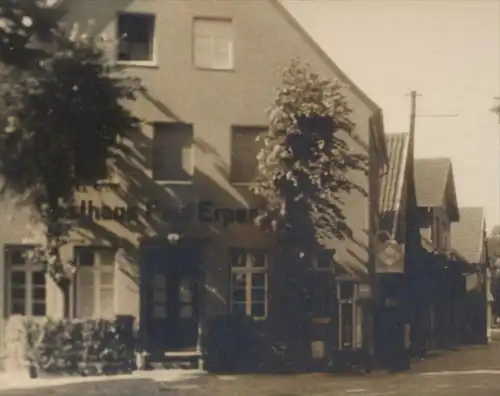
(467, 235)
(434, 182)
(393, 180)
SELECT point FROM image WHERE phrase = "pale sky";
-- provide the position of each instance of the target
(449, 51)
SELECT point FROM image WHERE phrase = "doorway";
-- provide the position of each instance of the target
(170, 298)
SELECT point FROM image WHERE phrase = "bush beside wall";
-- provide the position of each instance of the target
(85, 347)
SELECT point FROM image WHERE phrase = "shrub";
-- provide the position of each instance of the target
(77, 346)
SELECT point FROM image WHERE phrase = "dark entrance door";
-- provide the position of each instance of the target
(170, 298)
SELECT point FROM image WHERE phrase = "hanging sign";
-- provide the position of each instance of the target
(390, 258)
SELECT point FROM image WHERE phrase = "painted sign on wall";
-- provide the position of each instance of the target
(203, 211)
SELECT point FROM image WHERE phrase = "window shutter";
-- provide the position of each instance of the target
(85, 292)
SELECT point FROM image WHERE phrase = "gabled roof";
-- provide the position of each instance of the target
(393, 180)
(434, 183)
(467, 235)
(324, 56)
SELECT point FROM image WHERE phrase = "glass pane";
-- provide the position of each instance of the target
(17, 307)
(239, 281)
(85, 257)
(185, 291)
(239, 308)
(239, 295)
(18, 278)
(38, 278)
(159, 311)
(85, 293)
(258, 295)
(258, 280)
(346, 324)
(159, 281)
(106, 303)
(258, 259)
(159, 296)
(346, 290)
(186, 311)
(39, 293)
(106, 256)
(237, 258)
(258, 309)
(18, 292)
(202, 51)
(38, 309)
(107, 278)
(17, 256)
(222, 53)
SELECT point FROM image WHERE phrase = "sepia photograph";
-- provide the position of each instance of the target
(250, 197)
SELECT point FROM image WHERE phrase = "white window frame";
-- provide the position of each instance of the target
(248, 270)
(27, 268)
(153, 62)
(196, 26)
(191, 169)
(96, 269)
(354, 302)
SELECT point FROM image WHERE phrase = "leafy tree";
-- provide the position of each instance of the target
(304, 174)
(21, 21)
(305, 164)
(63, 116)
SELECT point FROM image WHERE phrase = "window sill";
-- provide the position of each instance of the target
(174, 182)
(150, 64)
(213, 69)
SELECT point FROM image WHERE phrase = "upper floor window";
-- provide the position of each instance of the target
(213, 43)
(173, 152)
(136, 37)
(26, 283)
(249, 282)
(94, 286)
(245, 148)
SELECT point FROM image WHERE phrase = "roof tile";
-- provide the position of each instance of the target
(468, 233)
(431, 175)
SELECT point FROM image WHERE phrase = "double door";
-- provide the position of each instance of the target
(170, 298)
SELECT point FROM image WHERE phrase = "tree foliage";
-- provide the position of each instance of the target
(306, 163)
(21, 21)
(62, 117)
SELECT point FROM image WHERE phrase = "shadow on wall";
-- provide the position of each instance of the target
(153, 208)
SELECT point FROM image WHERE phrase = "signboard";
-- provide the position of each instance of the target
(390, 258)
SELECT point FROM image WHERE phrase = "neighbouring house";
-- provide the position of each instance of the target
(442, 279)
(469, 240)
(169, 240)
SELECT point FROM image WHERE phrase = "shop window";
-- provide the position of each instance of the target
(26, 283)
(249, 282)
(94, 283)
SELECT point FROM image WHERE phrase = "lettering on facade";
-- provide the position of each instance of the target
(205, 212)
